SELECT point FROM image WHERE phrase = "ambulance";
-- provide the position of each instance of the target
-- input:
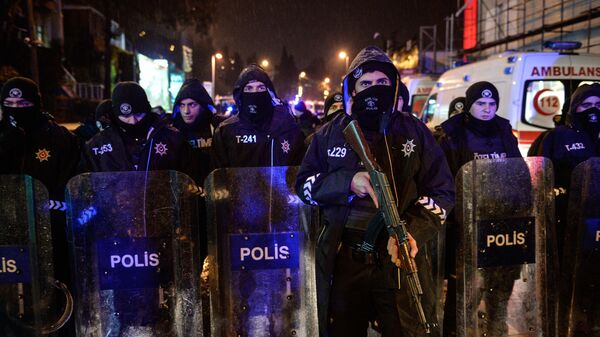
(419, 87)
(532, 88)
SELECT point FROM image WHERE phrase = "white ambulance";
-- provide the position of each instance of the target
(532, 87)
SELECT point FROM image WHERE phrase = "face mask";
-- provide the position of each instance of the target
(372, 107)
(588, 121)
(480, 127)
(26, 118)
(256, 106)
(138, 130)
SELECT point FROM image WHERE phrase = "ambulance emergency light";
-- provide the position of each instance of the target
(562, 45)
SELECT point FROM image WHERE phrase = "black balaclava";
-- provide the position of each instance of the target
(130, 98)
(257, 107)
(476, 91)
(370, 105)
(373, 107)
(588, 120)
(26, 118)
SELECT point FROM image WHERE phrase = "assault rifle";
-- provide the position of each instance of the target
(387, 206)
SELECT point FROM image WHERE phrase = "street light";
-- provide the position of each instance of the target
(302, 74)
(326, 80)
(213, 66)
(264, 63)
(344, 56)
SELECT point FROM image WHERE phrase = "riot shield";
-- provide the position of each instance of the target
(581, 264)
(505, 260)
(134, 254)
(29, 295)
(263, 277)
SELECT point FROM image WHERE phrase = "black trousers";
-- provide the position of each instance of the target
(363, 292)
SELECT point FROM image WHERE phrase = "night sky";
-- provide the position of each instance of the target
(320, 28)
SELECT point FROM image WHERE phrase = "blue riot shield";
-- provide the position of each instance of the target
(505, 261)
(261, 246)
(580, 267)
(32, 303)
(134, 254)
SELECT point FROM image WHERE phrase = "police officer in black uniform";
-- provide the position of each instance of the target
(354, 287)
(139, 140)
(51, 154)
(572, 143)
(263, 133)
(478, 133)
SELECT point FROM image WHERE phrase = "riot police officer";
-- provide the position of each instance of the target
(355, 286)
(139, 140)
(478, 133)
(263, 133)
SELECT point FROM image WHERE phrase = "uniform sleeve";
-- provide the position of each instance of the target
(315, 185)
(218, 155)
(70, 160)
(435, 187)
(187, 163)
(300, 149)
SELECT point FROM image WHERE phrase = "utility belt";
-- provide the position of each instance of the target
(361, 231)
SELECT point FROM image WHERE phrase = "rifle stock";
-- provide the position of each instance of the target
(387, 205)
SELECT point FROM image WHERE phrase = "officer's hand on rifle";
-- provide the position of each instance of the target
(361, 186)
(392, 248)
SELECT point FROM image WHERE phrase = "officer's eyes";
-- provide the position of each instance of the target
(365, 83)
(588, 105)
(383, 81)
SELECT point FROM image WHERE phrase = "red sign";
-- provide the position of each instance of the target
(470, 32)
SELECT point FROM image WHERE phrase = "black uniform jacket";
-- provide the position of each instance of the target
(12, 148)
(461, 145)
(423, 183)
(165, 148)
(567, 147)
(51, 156)
(240, 143)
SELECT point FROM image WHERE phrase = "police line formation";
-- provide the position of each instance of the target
(126, 229)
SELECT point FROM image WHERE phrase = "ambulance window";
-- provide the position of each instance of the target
(543, 100)
(430, 108)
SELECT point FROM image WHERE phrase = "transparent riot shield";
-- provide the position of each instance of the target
(262, 250)
(505, 266)
(134, 254)
(437, 249)
(580, 266)
(29, 295)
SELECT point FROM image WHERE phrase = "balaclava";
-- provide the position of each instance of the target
(27, 118)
